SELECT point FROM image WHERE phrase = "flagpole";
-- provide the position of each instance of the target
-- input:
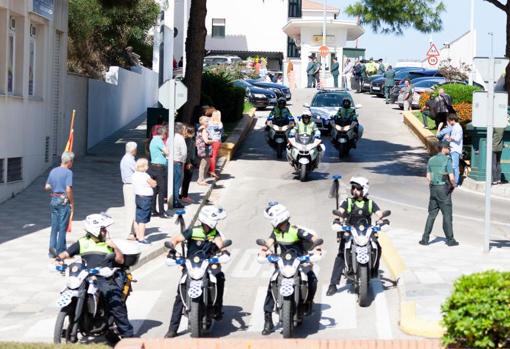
(69, 148)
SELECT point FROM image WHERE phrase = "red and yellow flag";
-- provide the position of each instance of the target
(69, 147)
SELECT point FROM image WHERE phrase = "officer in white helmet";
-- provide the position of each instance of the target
(204, 237)
(306, 126)
(285, 235)
(93, 248)
(356, 208)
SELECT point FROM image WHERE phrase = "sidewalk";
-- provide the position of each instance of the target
(499, 191)
(28, 290)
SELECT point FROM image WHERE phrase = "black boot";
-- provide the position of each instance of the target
(268, 324)
(331, 290)
(171, 334)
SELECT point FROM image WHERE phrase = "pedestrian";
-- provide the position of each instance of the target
(309, 72)
(389, 83)
(356, 72)
(180, 64)
(335, 71)
(127, 168)
(442, 183)
(203, 143)
(290, 74)
(215, 128)
(348, 70)
(443, 104)
(191, 163)
(180, 158)
(159, 170)
(428, 111)
(317, 73)
(60, 184)
(497, 150)
(381, 69)
(456, 139)
(143, 187)
(364, 75)
(408, 92)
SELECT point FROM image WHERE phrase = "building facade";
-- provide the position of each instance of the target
(33, 55)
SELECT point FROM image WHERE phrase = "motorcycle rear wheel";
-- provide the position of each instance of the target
(288, 317)
(195, 318)
(63, 328)
(302, 173)
(364, 281)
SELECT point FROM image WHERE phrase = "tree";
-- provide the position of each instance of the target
(101, 30)
(195, 51)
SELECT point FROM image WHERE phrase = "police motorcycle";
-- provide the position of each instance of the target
(277, 132)
(83, 312)
(361, 252)
(289, 283)
(345, 135)
(198, 286)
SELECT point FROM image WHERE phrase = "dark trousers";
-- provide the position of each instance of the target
(186, 180)
(312, 288)
(178, 307)
(317, 80)
(440, 200)
(112, 295)
(496, 166)
(310, 81)
(178, 168)
(60, 212)
(441, 118)
(387, 92)
(335, 80)
(159, 174)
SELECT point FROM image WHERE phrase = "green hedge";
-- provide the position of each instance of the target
(460, 93)
(477, 314)
(217, 91)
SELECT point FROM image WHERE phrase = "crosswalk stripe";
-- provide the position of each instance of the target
(233, 257)
(247, 267)
(257, 312)
(382, 315)
(140, 304)
(338, 312)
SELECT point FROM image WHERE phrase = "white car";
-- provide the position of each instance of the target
(218, 60)
(419, 88)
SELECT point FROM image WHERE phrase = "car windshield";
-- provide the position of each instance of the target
(426, 83)
(330, 99)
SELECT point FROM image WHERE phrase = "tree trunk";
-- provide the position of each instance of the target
(507, 51)
(195, 50)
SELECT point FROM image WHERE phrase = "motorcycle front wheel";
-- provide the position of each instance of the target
(288, 317)
(343, 150)
(279, 150)
(63, 327)
(302, 173)
(195, 318)
(364, 281)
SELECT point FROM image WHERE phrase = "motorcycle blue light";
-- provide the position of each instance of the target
(376, 228)
(273, 259)
(346, 228)
(213, 260)
(60, 267)
(180, 261)
(93, 271)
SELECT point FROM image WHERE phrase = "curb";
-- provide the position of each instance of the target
(232, 143)
(497, 192)
(409, 322)
(424, 135)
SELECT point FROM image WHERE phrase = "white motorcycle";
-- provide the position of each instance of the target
(304, 154)
(277, 136)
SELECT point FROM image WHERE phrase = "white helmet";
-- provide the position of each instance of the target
(210, 215)
(276, 213)
(94, 223)
(363, 182)
(306, 112)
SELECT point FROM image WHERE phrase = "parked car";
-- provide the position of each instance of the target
(419, 88)
(279, 89)
(261, 98)
(218, 60)
(367, 83)
(377, 84)
(412, 76)
(325, 105)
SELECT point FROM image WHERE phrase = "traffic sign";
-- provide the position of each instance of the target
(483, 67)
(433, 51)
(181, 94)
(432, 60)
(324, 51)
(481, 106)
(173, 91)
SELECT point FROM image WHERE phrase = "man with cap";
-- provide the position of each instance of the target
(442, 182)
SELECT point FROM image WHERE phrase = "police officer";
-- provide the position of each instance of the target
(203, 237)
(280, 114)
(310, 71)
(306, 126)
(346, 115)
(358, 207)
(442, 182)
(335, 71)
(93, 248)
(389, 83)
(285, 236)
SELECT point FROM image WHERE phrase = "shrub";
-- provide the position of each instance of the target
(218, 91)
(425, 96)
(464, 112)
(460, 93)
(477, 314)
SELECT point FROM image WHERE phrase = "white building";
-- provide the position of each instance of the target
(33, 55)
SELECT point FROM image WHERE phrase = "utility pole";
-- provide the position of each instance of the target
(323, 77)
(184, 35)
(473, 42)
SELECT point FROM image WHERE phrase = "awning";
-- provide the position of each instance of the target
(293, 27)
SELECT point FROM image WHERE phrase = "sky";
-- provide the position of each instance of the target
(414, 45)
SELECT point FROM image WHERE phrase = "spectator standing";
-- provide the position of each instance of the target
(428, 111)
(143, 186)
(180, 155)
(356, 71)
(290, 74)
(348, 70)
(441, 182)
(408, 92)
(203, 143)
(309, 72)
(191, 163)
(180, 64)
(389, 83)
(456, 139)
(215, 128)
(158, 171)
(443, 104)
(60, 184)
(127, 168)
(317, 73)
(335, 71)
(497, 150)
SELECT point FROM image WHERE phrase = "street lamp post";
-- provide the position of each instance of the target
(323, 77)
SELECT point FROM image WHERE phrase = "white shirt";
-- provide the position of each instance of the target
(180, 148)
(140, 184)
(127, 168)
(456, 139)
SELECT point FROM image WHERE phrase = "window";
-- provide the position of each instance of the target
(32, 61)
(11, 61)
(294, 8)
(2, 180)
(14, 169)
(218, 28)
(292, 49)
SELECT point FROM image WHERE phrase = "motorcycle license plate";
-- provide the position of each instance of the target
(287, 287)
(66, 297)
(195, 289)
(279, 140)
(343, 140)
(362, 255)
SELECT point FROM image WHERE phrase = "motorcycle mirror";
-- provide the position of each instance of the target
(386, 213)
(227, 243)
(338, 213)
(53, 252)
(358, 106)
(386, 221)
(261, 242)
(318, 242)
(169, 245)
(306, 105)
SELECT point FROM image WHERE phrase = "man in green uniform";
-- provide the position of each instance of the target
(346, 115)
(310, 71)
(497, 150)
(389, 83)
(306, 126)
(335, 71)
(442, 182)
(280, 115)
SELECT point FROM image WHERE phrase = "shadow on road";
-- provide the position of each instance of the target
(233, 321)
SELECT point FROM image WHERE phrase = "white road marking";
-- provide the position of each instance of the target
(149, 268)
(382, 315)
(338, 312)
(247, 267)
(257, 312)
(140, 304)
(233, 255)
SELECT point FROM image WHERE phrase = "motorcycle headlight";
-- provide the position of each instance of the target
(361, 240)
(338, 127)
(73, 282)
(288, 271)
(196, 273)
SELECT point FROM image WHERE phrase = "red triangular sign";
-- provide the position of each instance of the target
(433, 51)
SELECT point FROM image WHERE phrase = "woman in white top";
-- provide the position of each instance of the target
(143, 186)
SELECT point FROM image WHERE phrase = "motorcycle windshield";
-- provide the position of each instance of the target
(280, 122)
(304, 138)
